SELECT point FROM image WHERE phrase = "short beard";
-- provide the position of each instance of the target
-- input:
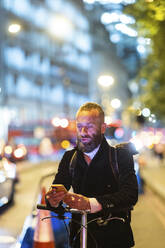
(89, 147)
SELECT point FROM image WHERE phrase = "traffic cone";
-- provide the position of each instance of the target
(43, 193)
(43, 233)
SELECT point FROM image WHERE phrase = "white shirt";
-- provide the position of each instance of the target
(92, 153)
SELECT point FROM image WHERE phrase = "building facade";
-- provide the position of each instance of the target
(51, 54)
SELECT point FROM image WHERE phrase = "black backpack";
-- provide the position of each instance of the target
(112, 158)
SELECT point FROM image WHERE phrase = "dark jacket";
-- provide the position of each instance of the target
(97, 180)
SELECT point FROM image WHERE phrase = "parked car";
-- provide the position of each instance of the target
(15, 153)
(8, 178)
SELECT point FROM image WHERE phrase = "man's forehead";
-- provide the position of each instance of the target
(88, 117)
(93, 113)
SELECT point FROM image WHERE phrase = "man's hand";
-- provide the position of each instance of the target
(77, 201)
(54, 197)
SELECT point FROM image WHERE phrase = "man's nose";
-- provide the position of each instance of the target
(84, 130)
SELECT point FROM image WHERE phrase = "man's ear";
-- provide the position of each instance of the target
(103, 128)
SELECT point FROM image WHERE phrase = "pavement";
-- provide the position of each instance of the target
(148, 217)
(153, 174)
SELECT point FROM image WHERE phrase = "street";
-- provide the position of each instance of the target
(148, 221)
(148, 217)
(12, 220)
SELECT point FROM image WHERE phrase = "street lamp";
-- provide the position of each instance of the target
(105, 81)
(60, 27)
(116, 103)
(14, 28)
(57, 122)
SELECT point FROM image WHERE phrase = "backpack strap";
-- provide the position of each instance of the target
(113, 162)
(127, 146)
(72, 164)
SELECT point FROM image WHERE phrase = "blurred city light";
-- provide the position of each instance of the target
(108, 120)
(116, 103)
(127, 19)
(65, 144)
(129, 1)
(109, 1)
(144, 41)
(146, 112)
(126, 30)
(64, 123)
(14, 28)
(133, 86)
(56, 121)
(112, 1)
(148, 138)
(8, 150)
(61, 27)
(105, 80)
(39, 132)
(137, 142)
(119, 133)
(115, 38)
(89, 1)
(141, 49)
(107, 17)
(45, 147)
(117, 16)
(152, 118)
(20, 152)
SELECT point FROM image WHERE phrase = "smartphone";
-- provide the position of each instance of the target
(59, 187)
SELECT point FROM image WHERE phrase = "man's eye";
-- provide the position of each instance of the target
(87, 126)
(90, 126)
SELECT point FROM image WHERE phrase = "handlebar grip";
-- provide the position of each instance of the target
(60, 210)
(42, 206)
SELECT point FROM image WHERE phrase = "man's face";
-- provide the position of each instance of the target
(89, 130)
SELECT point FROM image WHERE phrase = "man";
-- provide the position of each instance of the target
(95, 186)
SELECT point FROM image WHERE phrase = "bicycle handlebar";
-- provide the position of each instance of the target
(61, 210)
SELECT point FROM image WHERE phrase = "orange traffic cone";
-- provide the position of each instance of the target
(43, 234)
(43, 193)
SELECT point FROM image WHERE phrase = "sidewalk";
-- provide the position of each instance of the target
(153, 174)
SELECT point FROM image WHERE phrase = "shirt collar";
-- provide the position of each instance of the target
(92, 153)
